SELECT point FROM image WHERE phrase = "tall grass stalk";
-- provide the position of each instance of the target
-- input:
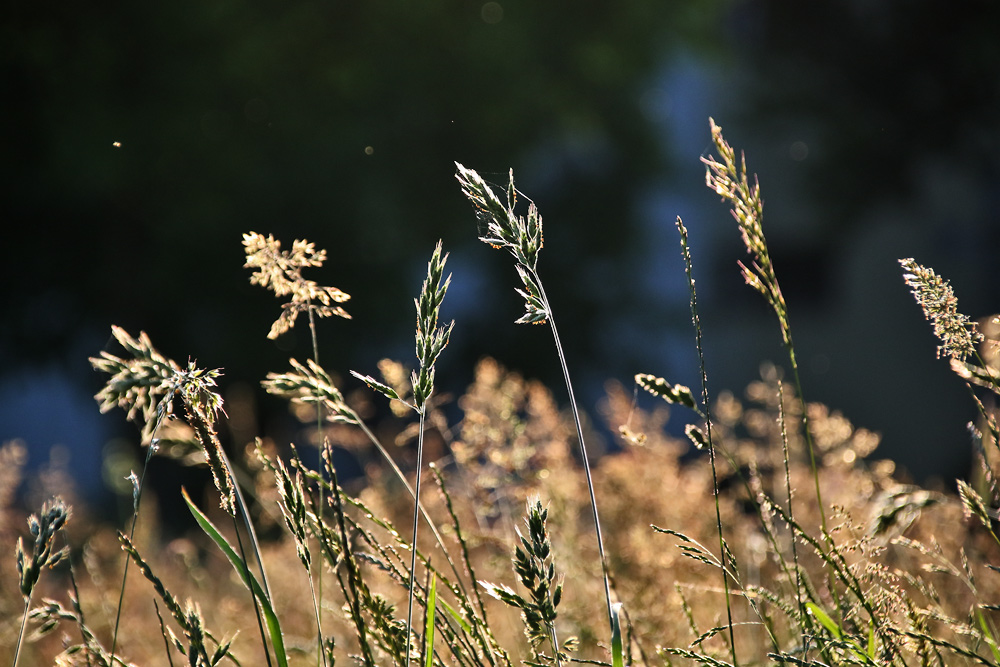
(730, 181)
(706, 404)
(316, 590)
(788, 492)
(430, 342)
(281, 272)
(502, 228)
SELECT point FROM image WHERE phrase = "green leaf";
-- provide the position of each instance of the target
(270, 618)
(458, 617)
(825, 620)
(987, 635)
(617, 650)
(429, 630)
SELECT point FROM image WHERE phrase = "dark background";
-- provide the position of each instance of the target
(875, 130)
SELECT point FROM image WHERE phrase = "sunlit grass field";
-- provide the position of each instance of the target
(770, 533)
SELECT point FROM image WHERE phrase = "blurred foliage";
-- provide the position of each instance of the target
(140, 141)
(333, 121)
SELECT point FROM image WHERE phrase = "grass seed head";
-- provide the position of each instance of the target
(281, 272)
(957, 333)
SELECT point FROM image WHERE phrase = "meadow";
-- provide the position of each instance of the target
(493, 540)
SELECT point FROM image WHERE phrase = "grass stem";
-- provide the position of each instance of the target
(583, 447)
(413, 551)
(706, 403)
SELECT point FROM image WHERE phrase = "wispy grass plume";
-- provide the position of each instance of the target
(729, 179)
(935, 296)
(148, 384)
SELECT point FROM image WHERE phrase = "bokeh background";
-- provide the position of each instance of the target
(140, 140)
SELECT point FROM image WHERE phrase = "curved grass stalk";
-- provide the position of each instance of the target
(523, 238)
(281, 272)
(583, 452)
(730, 181)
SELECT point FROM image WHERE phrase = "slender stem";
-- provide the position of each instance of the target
(253, 543)
(427, 519)
(555, 644)
(815, 471)
(163, 632)
(808, 433)
(131, 534)
(689, 269)
(317, 592)
(20, 635)
(788, 492)
(583, 447)
(416, 518)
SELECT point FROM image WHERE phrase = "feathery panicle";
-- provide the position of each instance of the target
(55, 514)
(309, 384)
(671, 393)
(958, 334)
(729, 180)
(147, 385)
(293, 508)
(137, 384)
(974, 505)
(502, 228)
(203, 423)
(430, 338)
(281, 272)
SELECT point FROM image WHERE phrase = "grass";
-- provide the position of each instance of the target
(813, 552)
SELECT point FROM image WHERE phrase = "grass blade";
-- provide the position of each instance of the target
(270, 618)
(458, 617)
(429, 628)
(824, 620)
(617, 650)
